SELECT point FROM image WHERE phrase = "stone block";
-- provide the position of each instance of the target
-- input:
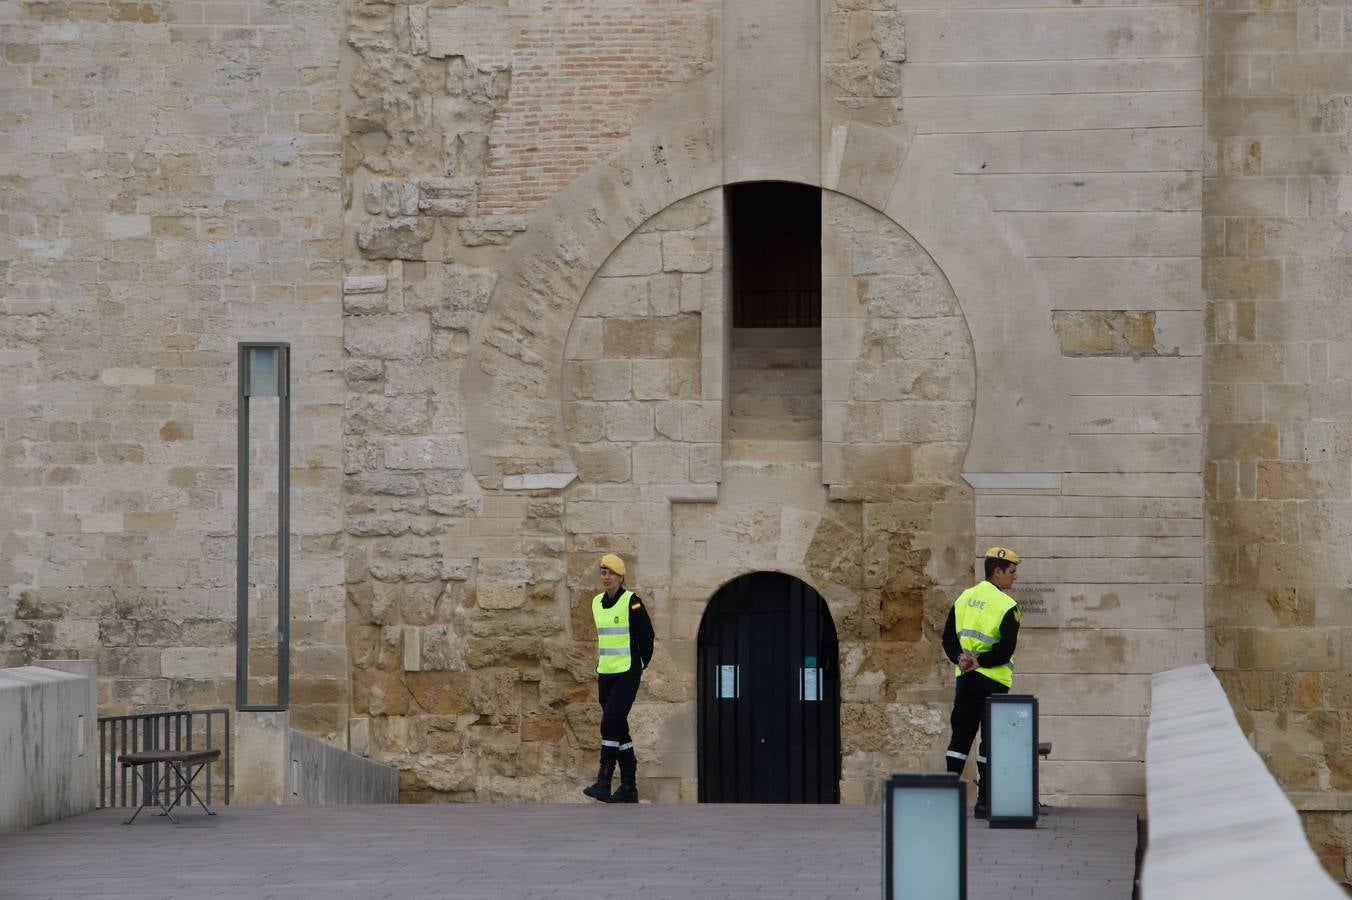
(412, 642)
(661, 463)
(1266, 30)
(401, 238)
(359, 735)
(364, 284)
(918, 422)
(600, 463)
(501, 596)
(686, 253)
(659, 379)
(446, 196)
(664, 296)
(706, 463)
(388, 337)
(1326, 479)
(585, 422)
(1242, 441)
(481, 231)
(198, 662)
(611, 297)
(465, 154)
(588, 516)
(1105, 333)
(640, 254)
(868, 463)
(667, 421)
(654, 338)
(641, 517)
(446, 452)
(391, 197)
(629, 422)
(117, 227)
(1229, 278)
(601, 379)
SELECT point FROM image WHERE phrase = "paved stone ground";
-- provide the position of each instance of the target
(561, 852)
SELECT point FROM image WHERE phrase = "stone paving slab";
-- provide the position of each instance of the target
(563, 852)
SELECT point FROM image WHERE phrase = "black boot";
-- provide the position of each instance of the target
(981, 810)
(601, 790)
(628, 792)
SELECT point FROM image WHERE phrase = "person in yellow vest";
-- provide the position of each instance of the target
(624, 647)
(979, 638)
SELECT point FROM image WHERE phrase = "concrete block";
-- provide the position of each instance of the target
(49, 741)
(261, 758)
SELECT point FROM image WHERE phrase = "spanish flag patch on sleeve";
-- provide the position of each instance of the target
(635, 605)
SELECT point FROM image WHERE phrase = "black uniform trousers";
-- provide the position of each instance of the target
(616, 694)
(969, 708)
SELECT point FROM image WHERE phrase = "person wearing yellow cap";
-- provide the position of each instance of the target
(979, 638)
(624, 647)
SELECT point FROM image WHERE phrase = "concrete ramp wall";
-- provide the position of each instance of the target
(324, 775)
(48, 742)
(1219, 824)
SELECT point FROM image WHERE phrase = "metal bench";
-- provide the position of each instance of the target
(178, 763)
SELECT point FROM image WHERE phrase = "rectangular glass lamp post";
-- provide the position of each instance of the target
(924, 838)
(1010, 727)
(264, 371)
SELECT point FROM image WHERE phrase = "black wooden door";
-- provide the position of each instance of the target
(769, 694)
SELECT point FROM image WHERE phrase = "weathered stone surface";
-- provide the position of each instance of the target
(399, 238)
(387, 337)
(445, 196)
(1107, 333)
(391, 197)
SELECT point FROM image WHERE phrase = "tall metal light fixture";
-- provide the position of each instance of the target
(925, 837)
(264, 371)
(1010, 727)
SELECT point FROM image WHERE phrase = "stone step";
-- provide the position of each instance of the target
(776, 406)
(775, 381)
(776, 337)
(773, 451)
(773, 428)
(775, 358)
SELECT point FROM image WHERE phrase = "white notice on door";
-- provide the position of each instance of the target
(809, 685)
(727, 683)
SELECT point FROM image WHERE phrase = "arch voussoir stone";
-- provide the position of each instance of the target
(512, 384)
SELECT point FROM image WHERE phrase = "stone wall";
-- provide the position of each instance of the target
(502, 280)
(172, 185)
(1277, 470)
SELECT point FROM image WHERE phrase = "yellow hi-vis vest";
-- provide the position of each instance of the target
(612, 635)
(977, 613)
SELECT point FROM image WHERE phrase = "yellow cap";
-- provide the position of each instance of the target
(1003, 553)
(613, 563)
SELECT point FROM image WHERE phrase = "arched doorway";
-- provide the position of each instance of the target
(769, 694)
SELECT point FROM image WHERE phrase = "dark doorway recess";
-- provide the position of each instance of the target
(775, 247)
(769, 694)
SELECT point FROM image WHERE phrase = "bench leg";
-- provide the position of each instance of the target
(185, 787)
(139, 779)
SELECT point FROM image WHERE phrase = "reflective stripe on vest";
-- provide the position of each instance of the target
(613, 655)
(977, 613)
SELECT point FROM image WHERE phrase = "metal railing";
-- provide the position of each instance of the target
(185, 729)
